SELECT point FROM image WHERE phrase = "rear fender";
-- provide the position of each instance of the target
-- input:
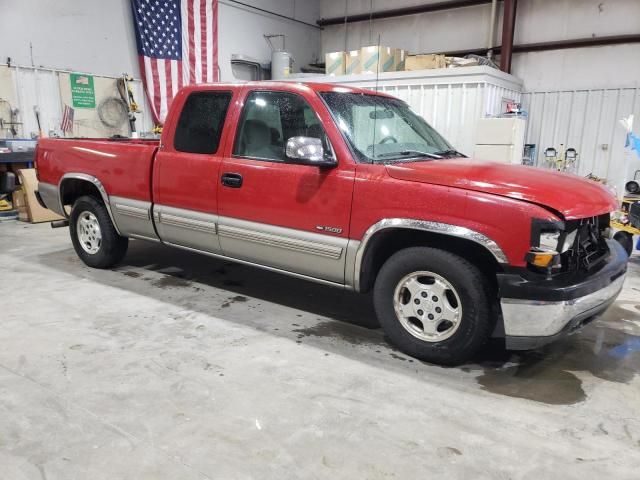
(72, 182)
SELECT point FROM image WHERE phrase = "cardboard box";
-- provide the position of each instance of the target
(335, 63)
(453, 62)
(20, 204)
(29, 184)
(378, 58)
(424, 62)
(354, 64)
(400, 56)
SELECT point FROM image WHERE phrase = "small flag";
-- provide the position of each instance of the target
(67, 119)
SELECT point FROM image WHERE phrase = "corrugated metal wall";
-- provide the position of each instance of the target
(587, 120)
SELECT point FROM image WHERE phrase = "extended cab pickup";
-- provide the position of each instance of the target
(350, 188)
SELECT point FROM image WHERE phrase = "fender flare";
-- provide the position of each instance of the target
(427, 226)
(96, 183)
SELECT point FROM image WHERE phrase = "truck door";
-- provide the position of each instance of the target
(291, 217)
(185, 181)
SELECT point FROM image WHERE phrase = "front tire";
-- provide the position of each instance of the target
(434, 305)
(93, 235)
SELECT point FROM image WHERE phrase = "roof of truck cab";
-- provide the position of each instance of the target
(289, 85)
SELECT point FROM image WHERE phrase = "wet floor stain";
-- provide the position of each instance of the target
(132, 274)
(622, 310)
(234, 299)
(550, 375)
(398, 357)
(342, 331)
(169, 281)
(534, 382)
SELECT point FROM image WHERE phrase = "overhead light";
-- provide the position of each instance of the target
(550, 152)
(571, 154)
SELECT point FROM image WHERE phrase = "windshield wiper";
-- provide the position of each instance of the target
(451, 153)
(408, 153)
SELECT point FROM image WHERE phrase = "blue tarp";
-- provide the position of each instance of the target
(633, 141)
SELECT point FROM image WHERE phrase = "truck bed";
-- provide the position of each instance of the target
(124, 166)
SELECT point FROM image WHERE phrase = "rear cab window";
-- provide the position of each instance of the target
(201, 122)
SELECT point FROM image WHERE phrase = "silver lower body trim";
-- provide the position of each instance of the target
(532, 318)
(187, 228)
(280, 241)
(142, 237)
(258, 265)
(132, 217)
(132, 211)
(50, 196)
(189, 223)
(307, 253)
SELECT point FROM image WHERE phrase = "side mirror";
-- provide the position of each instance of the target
(309, 151)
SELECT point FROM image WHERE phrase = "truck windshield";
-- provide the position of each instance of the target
(385, 130)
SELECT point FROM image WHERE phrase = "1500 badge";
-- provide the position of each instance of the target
(324, 228)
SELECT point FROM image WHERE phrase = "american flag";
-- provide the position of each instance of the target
(67, 119)
(177, 45)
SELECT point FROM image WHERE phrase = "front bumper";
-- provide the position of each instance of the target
(538, 311)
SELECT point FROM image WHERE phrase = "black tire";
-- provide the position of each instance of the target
(476, 322)
(112, 248)
(626, 240)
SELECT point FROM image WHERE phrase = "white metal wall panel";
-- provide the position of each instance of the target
(587, 120)
(37, 88)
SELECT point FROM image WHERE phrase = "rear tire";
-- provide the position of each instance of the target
(93, 235)
(626, 240)
(434, 305)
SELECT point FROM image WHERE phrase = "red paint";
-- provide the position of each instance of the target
(123, 167)
(293, 196)
(494, 199)
(188, 180)
(572, 196)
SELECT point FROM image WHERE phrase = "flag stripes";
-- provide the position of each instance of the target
(178, 45)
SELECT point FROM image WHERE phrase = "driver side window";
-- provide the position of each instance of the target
(269, 119)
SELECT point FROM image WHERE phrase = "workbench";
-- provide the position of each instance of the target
(18, 157)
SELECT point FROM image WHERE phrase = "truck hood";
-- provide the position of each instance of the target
(574, 197)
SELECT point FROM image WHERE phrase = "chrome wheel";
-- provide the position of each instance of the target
(89, 234)
(427, 306)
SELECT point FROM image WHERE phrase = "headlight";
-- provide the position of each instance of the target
(569, 240)
(549, 240)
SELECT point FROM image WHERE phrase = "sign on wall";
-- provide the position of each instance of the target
(83, 94)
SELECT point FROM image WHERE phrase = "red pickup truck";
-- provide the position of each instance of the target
(350, 188)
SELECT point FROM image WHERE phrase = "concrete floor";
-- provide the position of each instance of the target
(177, 366)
